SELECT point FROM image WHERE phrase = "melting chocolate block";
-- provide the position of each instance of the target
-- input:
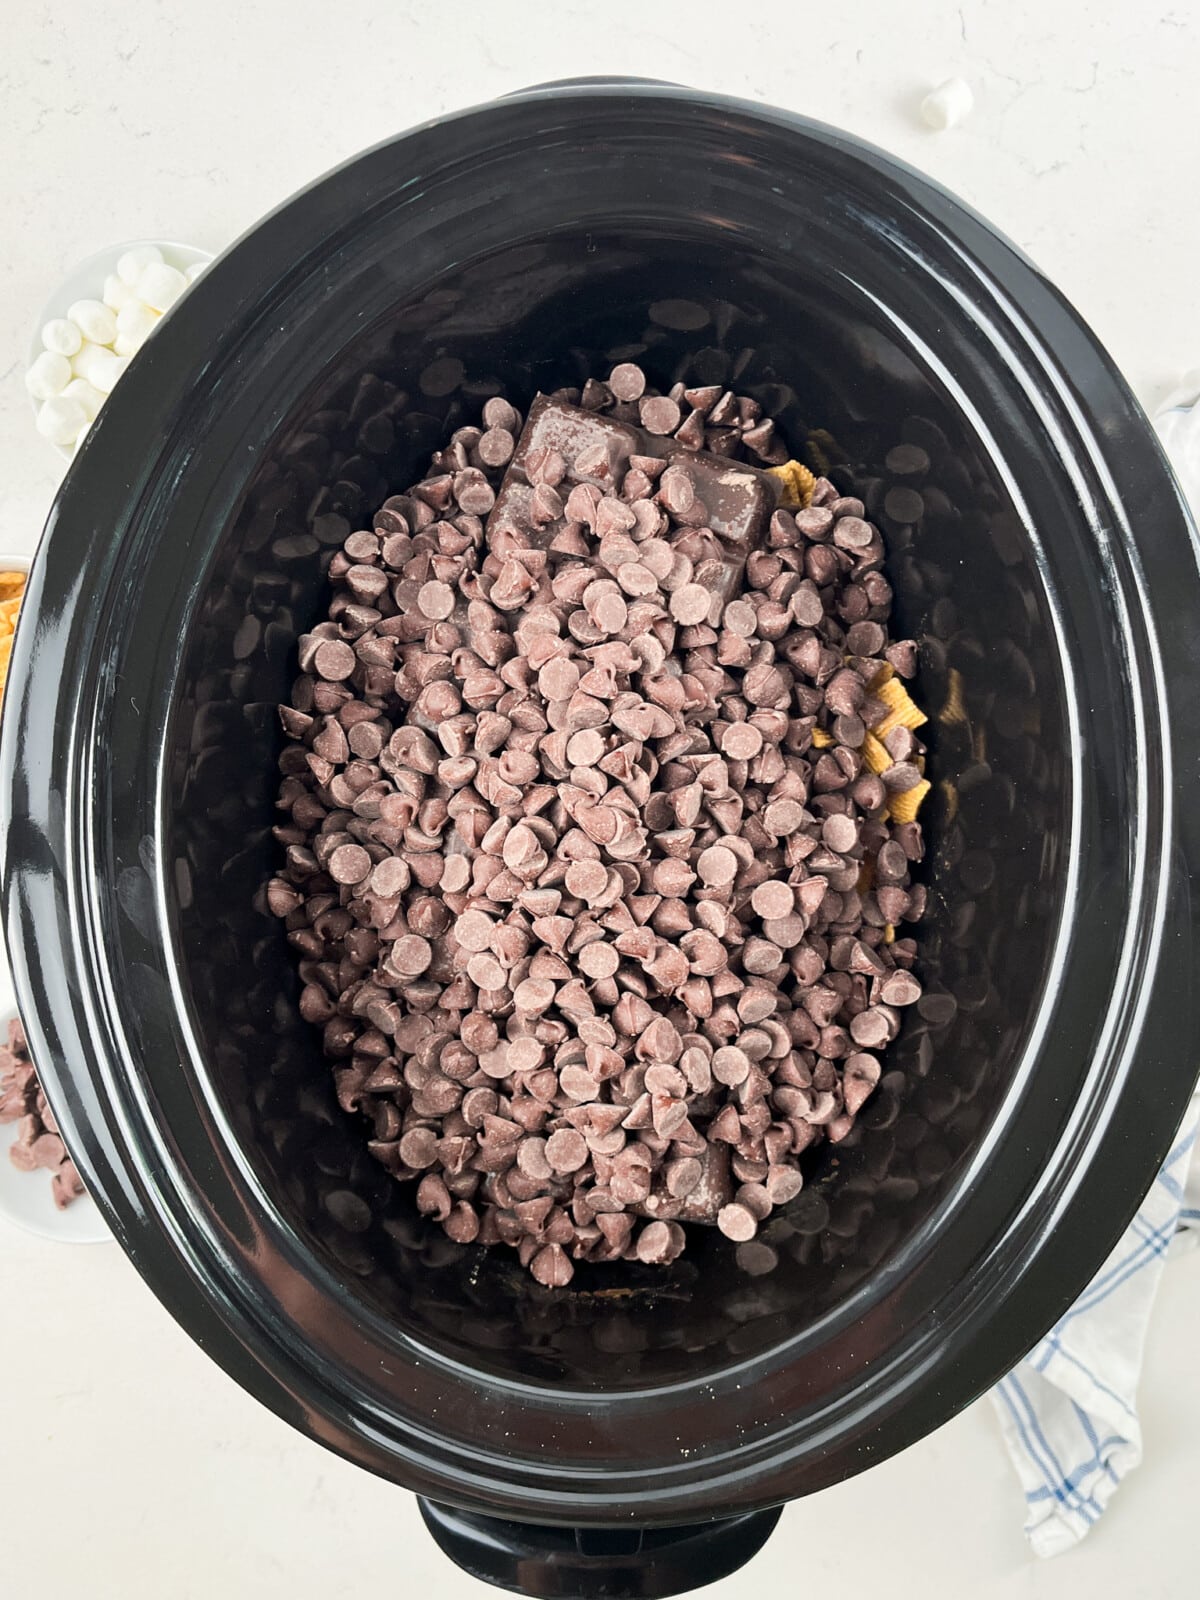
(594, 448)
(739, 499)
(512, 511)
(734, 502)
(701, 1204)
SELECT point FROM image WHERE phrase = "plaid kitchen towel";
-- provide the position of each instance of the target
(1068, 1412)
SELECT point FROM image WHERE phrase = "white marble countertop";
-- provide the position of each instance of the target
(188, 121)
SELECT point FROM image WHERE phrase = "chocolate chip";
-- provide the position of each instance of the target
(552, 1266)
(435, 600)
(627, 381)
(584, 860)
(659, 415)
(566, 1150)
(840, 833)
(349, 864)
(903, 505)
(736, 1222)
(495, 447)
(335, 660)
(907, 461)
(38, 1144)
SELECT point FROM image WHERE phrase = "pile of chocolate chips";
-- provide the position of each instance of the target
(593, 894)
(38, 1142)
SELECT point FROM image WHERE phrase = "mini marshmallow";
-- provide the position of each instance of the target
(61, 336)
(949, 103)
(94, 320)
(88, 361)
(60, 420)
(117, 294)
(88, 396)
(160, 285)
(48, 375)
(135, 324)
(193, 272)
(80, 436)
(122, 346)
(134, 262)
(107, 370)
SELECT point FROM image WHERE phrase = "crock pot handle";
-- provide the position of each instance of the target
(582, 1563)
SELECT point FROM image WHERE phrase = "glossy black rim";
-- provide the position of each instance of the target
(175, 1188)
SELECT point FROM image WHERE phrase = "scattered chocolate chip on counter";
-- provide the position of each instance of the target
(600, 811)
(38, 1142)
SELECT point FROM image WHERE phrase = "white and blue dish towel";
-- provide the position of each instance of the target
(1069, 1411)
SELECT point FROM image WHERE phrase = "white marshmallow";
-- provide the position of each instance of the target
(135, 324)
(949, 103)
(60, 420)
(193, 272)
(116, 293)
(48, 375)
(121, 346)
(134, 262)
(99, 366)
(160, 285)
(94, 320)
(88, 396)
(80, 436)
(61, 336)
(106, 371)
(84, 360)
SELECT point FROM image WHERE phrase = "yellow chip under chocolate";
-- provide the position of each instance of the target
(876, 754)
(904, 806)
(797, 484)
(903, 711)
(955, 709)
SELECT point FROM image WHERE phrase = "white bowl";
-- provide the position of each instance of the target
(86, 282)
(25, 1197)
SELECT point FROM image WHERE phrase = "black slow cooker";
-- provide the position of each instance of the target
(627, 1436)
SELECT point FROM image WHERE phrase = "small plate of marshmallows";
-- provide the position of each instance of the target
(94, 324)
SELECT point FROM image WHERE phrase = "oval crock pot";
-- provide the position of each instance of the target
(1052, 580)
